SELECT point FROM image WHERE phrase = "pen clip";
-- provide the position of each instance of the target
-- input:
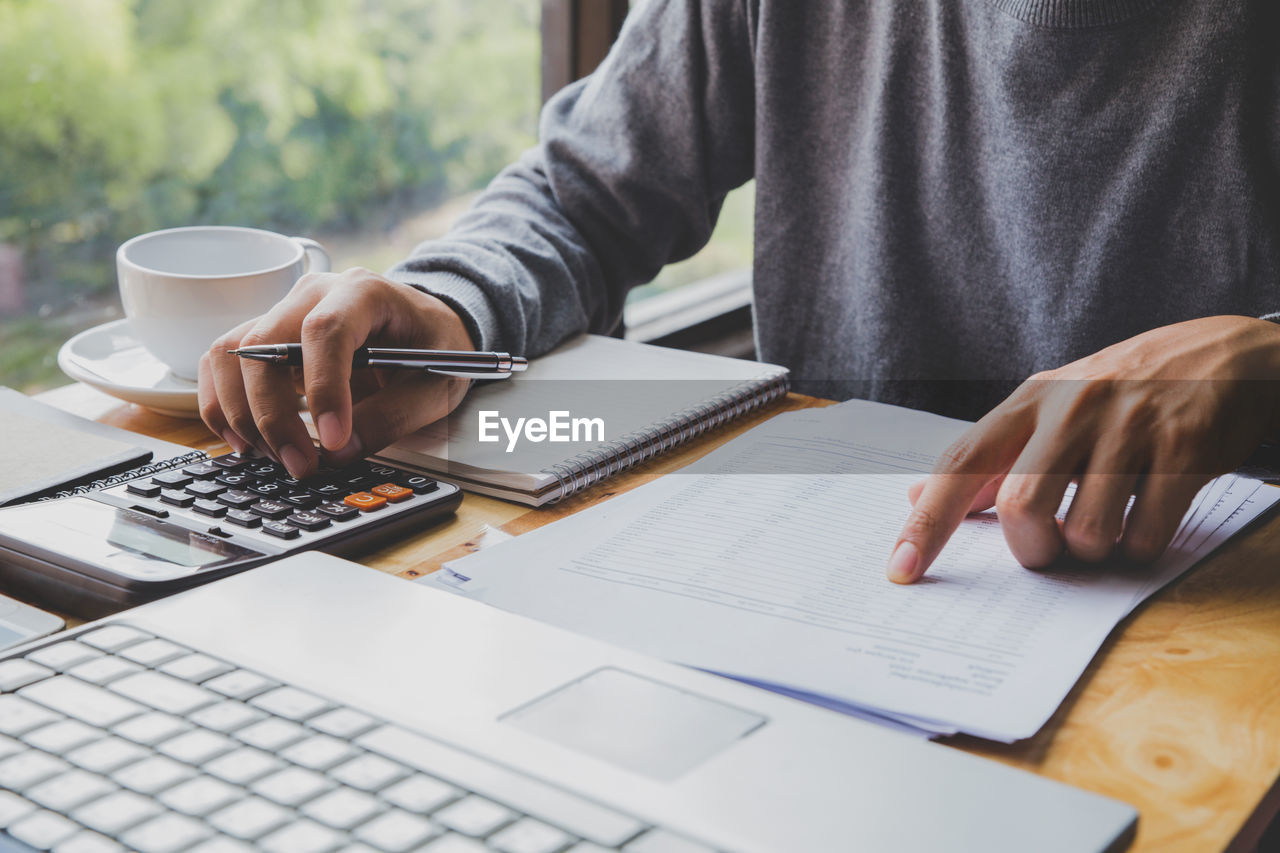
(470, 374)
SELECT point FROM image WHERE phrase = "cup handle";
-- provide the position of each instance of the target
(317, 257)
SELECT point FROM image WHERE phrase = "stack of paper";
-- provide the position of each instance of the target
(765, 562)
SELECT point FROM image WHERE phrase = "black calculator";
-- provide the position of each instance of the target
(154, 535)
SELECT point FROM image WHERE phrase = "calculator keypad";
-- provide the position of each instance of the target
(255, 494)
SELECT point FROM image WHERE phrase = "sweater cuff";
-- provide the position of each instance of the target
(464, 296)
(1273, 317)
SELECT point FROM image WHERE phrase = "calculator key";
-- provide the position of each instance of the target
(309, 520)
(281, 529)
(172, 479)
(392, 492)
(205, 489)
(305, 500)
(271, 509)
(238, 498)
(382, 471)
(269, 489)
(143, 490)
(328, 490)
(420, 484)
(291, 484)
(264, 469)
(355, 482)
(202, 470)
(233, 461)
(364, 501)
(244, 518)
(213, 509)
(338, 511)
(235, 479)
(173, 497)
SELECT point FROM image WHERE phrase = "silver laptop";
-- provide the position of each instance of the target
(317, 705)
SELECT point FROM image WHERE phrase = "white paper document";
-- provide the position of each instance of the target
(765, 561)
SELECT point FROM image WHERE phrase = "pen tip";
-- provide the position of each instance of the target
(233, 352)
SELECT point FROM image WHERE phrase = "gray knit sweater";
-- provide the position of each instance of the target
(946, 190)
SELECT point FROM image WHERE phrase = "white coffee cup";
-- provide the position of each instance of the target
(184, 287)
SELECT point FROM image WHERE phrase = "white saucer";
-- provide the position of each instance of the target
(109, 358)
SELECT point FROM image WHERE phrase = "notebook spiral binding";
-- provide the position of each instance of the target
(577, 473)
(132, 474)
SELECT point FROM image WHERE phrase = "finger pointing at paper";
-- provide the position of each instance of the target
(1154, 418)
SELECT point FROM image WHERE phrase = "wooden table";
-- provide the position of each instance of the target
(1179, 714)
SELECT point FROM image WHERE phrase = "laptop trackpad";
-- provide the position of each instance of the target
(637, 723)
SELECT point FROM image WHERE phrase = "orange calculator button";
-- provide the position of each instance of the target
(364, 501)
(392, 492)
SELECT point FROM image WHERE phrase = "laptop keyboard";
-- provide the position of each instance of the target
(118, 739)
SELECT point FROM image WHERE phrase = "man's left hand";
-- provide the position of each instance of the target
(1154, 417)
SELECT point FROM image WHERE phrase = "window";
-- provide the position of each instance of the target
(366, 124)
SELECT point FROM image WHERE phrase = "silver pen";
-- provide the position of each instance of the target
(464, 363)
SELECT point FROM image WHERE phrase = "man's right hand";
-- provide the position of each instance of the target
(356, 413)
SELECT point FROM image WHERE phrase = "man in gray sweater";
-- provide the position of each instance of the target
(951, 196)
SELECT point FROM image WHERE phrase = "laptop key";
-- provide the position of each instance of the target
(18, 716)
(319, 752)
(530, 836)
(113, 637)
(249, 819)
(42, 830)
(70, 790)
(342, 723)
(271, 734)
(342, 809)
(86, 841)
(226, 716)
(19, 673)
(103, 669)
(396, 831)
(368, 772)
(290, 703)
(163, 692)
(195, 667)
(116, 812)
(453, 843)
(421, 794)
(153, 652)
(13, 807)
(292, 786)
(21, 771)
(152, 775)
(107, 755)
(85, 702)
(301, 836)
(62, 736)
(62, 656)
(166, 834)
(243, 766)
(200, 796)
(475, 816)
(151, 728)
(197, 746)
(240, 684)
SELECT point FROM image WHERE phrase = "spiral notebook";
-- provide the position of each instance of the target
(47, 453)
(590, 409)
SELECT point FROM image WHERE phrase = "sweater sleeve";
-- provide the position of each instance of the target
(631, 170)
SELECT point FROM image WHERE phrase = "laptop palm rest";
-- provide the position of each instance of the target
(636, 723)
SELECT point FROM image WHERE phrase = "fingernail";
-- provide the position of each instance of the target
(902, 565)
(329, 428)
(344, 457)
(234, 441)
(293, 460)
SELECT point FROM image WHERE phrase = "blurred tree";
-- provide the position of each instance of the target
(122, 116)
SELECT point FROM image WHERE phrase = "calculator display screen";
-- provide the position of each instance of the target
(118, 541)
